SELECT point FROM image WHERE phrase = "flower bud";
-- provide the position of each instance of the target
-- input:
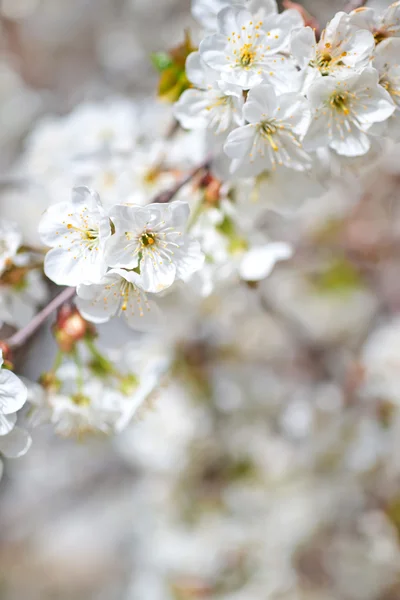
(7, 354)
(70, 327)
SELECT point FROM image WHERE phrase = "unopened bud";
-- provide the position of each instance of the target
(211, 187)
(70, 327)
(7, 354)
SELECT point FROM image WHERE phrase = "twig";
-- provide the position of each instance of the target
(20, 337)
(165, 197)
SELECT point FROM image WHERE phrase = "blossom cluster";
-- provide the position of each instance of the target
(275, 95)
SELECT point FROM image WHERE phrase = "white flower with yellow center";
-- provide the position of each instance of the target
(216, 105)
(118, 293)
(341, 47)
(206, 11)
(387, 63)
(245, 50)
(77, 232)
(382, 26)
(344, 111)
(273, 135)
(152, 239)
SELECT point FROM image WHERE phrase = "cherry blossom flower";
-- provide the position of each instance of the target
(387, 63)
(118, 293)
(245, 50)
(344, 110)
(77, 232)
(341, 48)
(382, 26)
(216, 105)
(273, 136)
(206, 11)
(153, 239)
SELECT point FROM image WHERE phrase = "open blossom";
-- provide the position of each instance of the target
(342, 47)
(344, 111)
(14, 441)
(10, 241)
(387, 63)
(206, 11)
(216, 105)
(273, 136)
(118, 293)
(382, 26)
(77, 232)
(153, 239)
(245, 50)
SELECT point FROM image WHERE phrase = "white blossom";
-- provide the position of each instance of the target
(118, 293)
(77, 232)
(344, 110)
(382, 26)
(387, 63)
(341, 48)
(153, 238)
(216, 105)
(273, 135)
(245, 50)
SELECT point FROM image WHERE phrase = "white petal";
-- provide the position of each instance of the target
(7, 423)
(303, 46)
(240, 141)
(13, 392)
(16, 443)
(261, 103)
(258, 262)
(233, 19)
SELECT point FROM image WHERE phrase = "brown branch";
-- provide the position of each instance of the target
(167, 196)
(22, 336)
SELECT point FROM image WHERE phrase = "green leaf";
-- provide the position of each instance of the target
(161, 61)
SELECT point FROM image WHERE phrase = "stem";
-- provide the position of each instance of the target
(165, 197)
(20, 337)
(79, 364)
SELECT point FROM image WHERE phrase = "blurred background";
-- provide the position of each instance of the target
(273, 484)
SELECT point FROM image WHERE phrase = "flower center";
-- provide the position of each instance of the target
(147, 239)
(268, 129)
(247, 55)
(379, 36)
(340, 102)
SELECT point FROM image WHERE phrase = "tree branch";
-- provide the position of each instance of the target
(165, 197)
(19, 338)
